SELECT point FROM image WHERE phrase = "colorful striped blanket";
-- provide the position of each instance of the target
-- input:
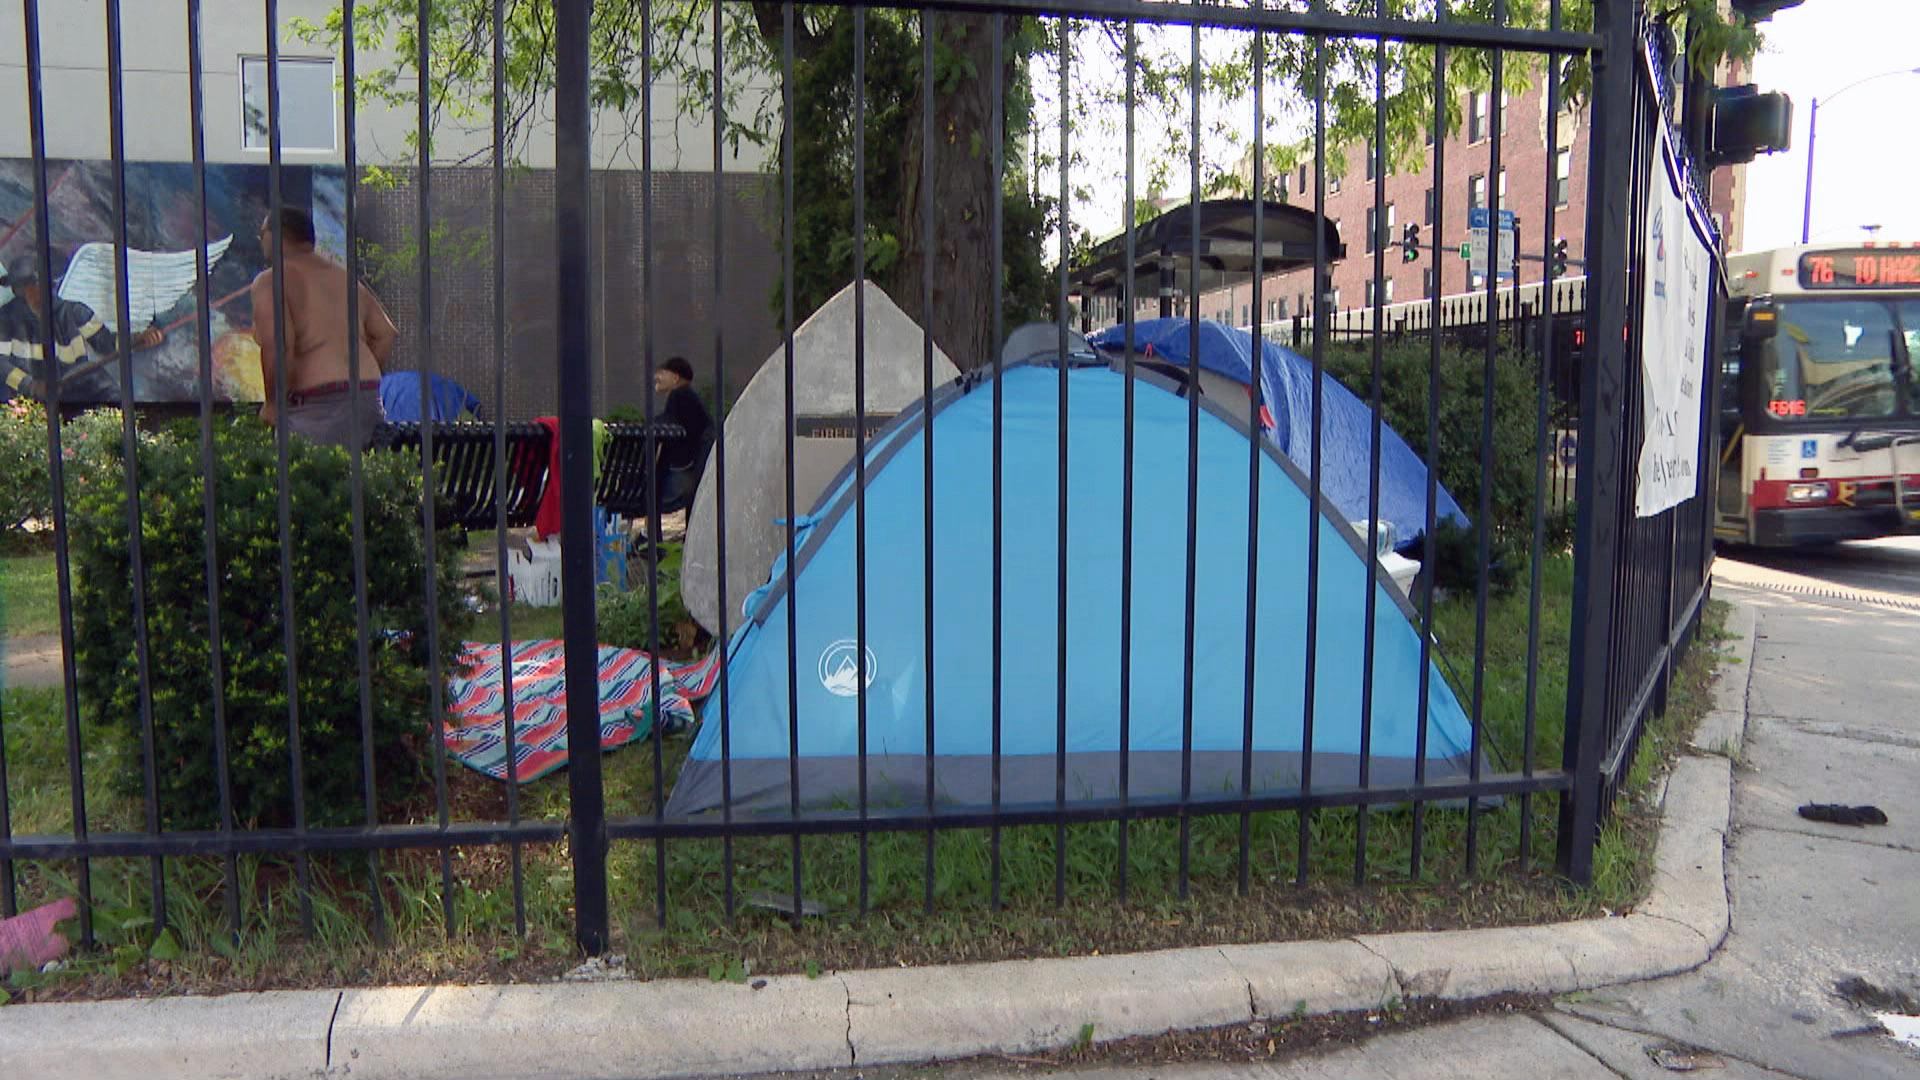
(476, 730)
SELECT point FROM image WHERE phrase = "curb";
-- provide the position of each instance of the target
(676, 1028)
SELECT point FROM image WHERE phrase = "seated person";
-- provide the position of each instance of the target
(681, 460)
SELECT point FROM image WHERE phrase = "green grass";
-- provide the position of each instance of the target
(696, 936)
(29, 595)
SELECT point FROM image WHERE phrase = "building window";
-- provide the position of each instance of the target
(1503, 187)
(1386, 233)
(1333, 185)
(1373, 229)
(1562, 177)
(1426, 217)
(306, 104)
(1389, 290)
(1246, 315)
(1370, 164)
(1370, 293)
(1426, 282)
(1476, 117)
(1476, 192)
(1303, 181)
(1280, 308)
(1281, 186)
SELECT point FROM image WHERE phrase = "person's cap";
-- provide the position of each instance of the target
(22, 270)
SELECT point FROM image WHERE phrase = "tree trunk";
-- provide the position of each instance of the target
(963, 194)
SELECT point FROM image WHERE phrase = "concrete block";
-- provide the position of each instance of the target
(1461, 965)
(1699, 795)
(940, 1014)
(634, 1031)
(257, 1036)
(1322, 976)
(1689, 859)
(1604, 952)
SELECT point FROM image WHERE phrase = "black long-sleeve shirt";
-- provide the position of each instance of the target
(685, 408)
(23, 341)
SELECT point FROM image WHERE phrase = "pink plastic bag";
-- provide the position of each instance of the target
(29, 940)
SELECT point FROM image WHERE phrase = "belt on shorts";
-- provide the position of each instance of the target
(301, 397)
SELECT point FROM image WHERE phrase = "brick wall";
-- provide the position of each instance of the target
(461, 323)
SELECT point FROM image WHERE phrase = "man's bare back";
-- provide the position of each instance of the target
(316, 323)
(320, 347)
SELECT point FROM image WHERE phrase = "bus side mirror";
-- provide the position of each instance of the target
(1760, 323)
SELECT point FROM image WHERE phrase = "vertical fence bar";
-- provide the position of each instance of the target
(655, 535)
(1060, 594)
(1314, 478)
(997, 212)
(1430, 553)
(56, 470)
(1130, 300)
(1599, 488)
(1256, 434)
(786, 293)
(500, 463)
(1549, 277)
(203, 333)
(860, 425)
(130, 445)
(929, 250)
(573, 124)
(1496, 107)
(1378, 241)
(720, 444)
(1193, 463)
(436, 685)
(370, 806)
(282, 437)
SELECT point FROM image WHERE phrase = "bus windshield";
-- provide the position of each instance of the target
(1836, 360)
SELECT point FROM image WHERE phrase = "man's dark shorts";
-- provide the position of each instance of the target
(326, 417)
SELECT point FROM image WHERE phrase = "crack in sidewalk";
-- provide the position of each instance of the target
(853, 1056)
(332, 1019)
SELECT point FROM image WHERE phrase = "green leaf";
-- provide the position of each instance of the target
(225, 946)
(166, 946)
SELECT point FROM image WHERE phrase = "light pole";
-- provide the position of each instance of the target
(1813, 122)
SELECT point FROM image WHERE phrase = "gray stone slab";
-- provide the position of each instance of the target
(633, 1031)
(1831, 665)
(1021, 1006)
(756, 440)
(1312, 977)
(259, 1036)
(1807, 913)
(1788, 765)
(1631, 1053)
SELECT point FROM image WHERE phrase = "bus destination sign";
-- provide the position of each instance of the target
(1861, 268)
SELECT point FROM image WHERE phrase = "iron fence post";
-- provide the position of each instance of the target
(1604, 390)
(572, 142)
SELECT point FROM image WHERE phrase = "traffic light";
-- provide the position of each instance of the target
(1747, 123)
(1410, 243)
(1560, 257)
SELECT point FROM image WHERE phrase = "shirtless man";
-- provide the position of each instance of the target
(315, 333)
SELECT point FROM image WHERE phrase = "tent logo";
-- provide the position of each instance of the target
(838, 672)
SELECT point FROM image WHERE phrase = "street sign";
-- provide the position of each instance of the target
(1479, 246)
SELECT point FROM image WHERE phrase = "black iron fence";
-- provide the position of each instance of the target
(1064, 590)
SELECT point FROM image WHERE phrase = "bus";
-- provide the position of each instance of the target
(1819, 410)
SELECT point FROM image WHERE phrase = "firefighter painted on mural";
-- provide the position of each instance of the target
(77, 332)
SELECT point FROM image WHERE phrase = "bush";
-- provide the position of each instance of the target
(1403, 404)
(625, 621)
(89, 446)
(252, 620)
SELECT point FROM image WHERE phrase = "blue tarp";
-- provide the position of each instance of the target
(400, 396)
(833, 662)
(1286, 387)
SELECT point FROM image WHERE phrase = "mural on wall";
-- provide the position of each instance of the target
(162, 202)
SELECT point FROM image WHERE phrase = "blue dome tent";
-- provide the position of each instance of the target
(889, 666)
(1286, 385)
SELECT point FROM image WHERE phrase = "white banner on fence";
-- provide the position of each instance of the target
(1673, 344)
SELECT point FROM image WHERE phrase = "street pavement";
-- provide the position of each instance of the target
(1831, 718)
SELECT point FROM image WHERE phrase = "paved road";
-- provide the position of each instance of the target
(1884, 570)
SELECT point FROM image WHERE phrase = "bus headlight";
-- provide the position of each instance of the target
(1809, 493)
